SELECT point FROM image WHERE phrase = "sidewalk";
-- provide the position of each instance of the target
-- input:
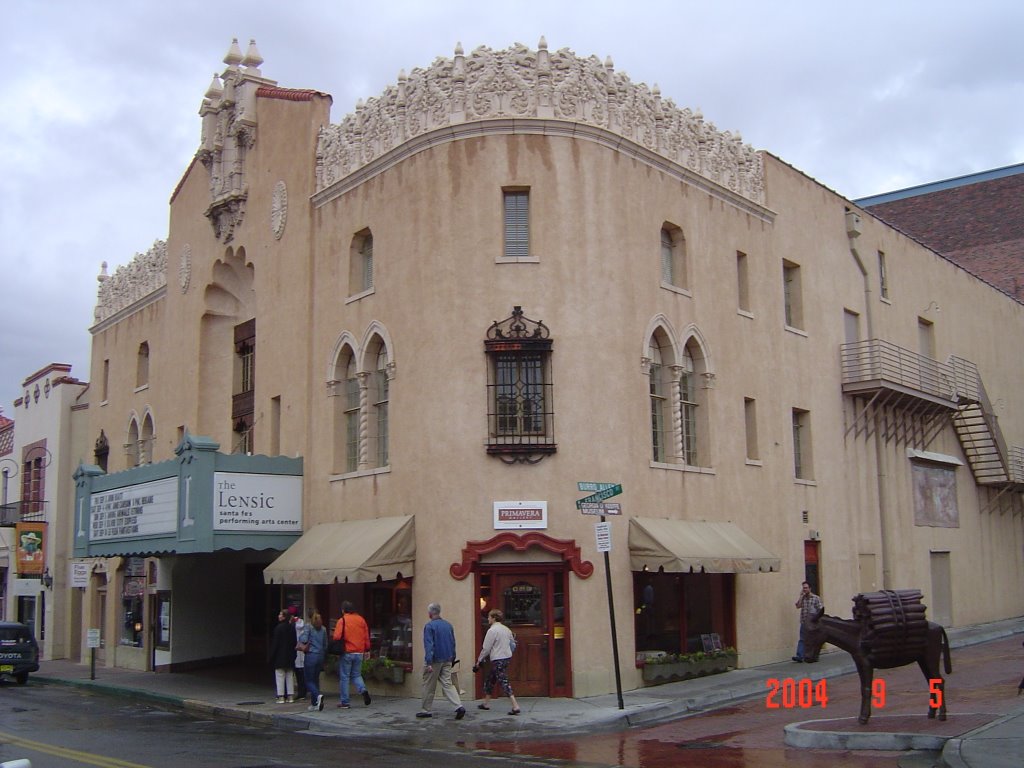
(224, 693)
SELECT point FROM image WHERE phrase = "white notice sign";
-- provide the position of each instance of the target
(92, 638)
(80, 574)
(603, 531)
(135, 511)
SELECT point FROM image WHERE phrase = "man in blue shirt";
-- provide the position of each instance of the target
(439, 655)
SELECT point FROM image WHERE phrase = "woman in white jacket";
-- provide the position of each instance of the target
(498, 648)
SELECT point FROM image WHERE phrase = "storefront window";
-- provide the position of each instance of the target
(673, 610)
(387, 608)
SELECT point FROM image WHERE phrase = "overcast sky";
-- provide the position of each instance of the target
(99, 105)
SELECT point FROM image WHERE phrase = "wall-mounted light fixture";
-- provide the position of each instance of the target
(932, 305)
(47, 578)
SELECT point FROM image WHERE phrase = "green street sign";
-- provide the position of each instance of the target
(593, 486)
(607, 493)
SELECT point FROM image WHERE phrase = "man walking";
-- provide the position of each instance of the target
(351, 628)
(439, 655)
(809, 605)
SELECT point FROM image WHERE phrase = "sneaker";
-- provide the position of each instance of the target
(460, 713)
(312, 708)
(344, 705)
(798, 660)
(320, 703)
(280, 699)
(424, 714)
(366, 698)
(290, 700)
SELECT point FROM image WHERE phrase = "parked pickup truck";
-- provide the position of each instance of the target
(19, 652)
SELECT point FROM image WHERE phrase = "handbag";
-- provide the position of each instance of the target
(302, 647)
(337, 647)
(512, 643)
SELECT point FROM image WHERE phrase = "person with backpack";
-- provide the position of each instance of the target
(499, 644)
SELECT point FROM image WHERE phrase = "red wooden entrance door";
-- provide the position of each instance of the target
(525, 599)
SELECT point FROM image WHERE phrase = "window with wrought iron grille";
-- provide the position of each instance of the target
(520, 401)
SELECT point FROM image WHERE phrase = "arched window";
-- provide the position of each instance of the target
(688, 408)
(379, 402)
(131, 448)
(146, 440)
(660, 398)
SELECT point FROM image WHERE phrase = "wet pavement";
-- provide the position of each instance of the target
(721, 721)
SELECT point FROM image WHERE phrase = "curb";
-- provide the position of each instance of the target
(797, 736)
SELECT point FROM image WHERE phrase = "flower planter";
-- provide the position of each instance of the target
(671, 672)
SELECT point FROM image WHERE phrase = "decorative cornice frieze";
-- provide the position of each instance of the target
(131, 283)
(526, 85)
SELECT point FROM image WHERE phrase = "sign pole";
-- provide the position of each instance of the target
(615, 637)
(92, 663)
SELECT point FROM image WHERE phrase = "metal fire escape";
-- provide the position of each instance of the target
(911, 398)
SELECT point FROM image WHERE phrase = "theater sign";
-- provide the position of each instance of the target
(202, 501)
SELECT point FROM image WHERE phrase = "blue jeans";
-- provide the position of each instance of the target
(350, 668)
(314, 666)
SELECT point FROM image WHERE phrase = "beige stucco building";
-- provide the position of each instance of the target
(515, 273)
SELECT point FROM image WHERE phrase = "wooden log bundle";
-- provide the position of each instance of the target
(894, 623)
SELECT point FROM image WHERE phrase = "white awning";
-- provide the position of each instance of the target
(681, 546)
(354, 551)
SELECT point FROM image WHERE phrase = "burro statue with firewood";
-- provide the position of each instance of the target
(888, 630)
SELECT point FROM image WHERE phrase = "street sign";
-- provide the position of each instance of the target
(603, 532)
(593, 486)
(601, 508)
(607, 493)
(92, 638)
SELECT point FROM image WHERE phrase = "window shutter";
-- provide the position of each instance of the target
(517, 225)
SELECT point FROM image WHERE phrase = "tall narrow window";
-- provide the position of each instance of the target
(142, 365)
(35, 458)
(146, 437)
(661, 424)
(131, 448)
(792, 291)
(802, 461)
(378, 420)
(243, 402)
(883, 277)
(520, 405)
(517, 224)
(742, 282)
(351, 385)
(750, 424)
(275, 426)
(688, 407)
(673, 256)
(105, 383)
(360, 272)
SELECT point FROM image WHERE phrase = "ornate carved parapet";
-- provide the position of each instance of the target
(526, 85)
(132, 282)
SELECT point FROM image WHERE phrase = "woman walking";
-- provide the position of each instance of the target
(313, 642)
(498, 646)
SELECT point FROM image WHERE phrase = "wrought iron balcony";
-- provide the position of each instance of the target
(22, 512)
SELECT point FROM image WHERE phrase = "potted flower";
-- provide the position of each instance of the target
(672, 667)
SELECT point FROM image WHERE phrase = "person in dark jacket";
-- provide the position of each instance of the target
(282, 656)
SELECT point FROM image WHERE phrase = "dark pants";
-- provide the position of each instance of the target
(300, 682)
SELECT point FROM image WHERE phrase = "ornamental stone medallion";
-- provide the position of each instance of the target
(185, 267)
(279, 209)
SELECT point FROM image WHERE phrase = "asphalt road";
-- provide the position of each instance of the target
(54, 726)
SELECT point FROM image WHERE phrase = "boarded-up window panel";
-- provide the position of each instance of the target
(935, 496)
